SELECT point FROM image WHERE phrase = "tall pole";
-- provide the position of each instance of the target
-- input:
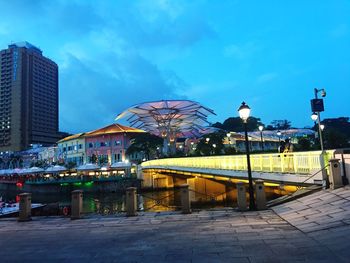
(262, 142)
(319, 124)
(251, 190)
(325, 181)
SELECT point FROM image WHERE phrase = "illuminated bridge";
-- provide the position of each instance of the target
(293, 169)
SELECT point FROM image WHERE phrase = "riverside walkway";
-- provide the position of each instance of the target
(314, 228)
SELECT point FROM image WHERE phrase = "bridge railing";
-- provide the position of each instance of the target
(296, 162)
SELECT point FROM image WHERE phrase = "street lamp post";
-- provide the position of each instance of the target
(317, 107)
(261, 128)
(244, 113)
(279, 135)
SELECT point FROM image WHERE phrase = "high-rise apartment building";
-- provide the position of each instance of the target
(28, 98)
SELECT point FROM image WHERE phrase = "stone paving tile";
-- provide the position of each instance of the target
(203, 236)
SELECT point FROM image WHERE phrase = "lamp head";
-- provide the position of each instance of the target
(279, 133)
(314, 116)
(261, 127)
(323, 93)
(244, 112)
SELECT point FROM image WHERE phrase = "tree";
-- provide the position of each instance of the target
(93, 158)
(146, 143)
(235, 124)
(281, 124)
(214, 146)
(336, 133)
(304, 144)
(70, 165)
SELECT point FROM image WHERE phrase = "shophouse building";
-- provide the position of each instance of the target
(72, 149)
(108, 145)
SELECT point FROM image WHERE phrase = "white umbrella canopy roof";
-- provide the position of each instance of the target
(88, 167)
(35, 169)
(121, 165)
(56, 168)
(183, 117)
(6, 172)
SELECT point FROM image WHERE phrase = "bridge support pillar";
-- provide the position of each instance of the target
(241, 197)
(185, 199)
(25, 207)
(260, 195)
(335, 179)
(131, 201)
(178, 181)
(77, 204)
(230, 194)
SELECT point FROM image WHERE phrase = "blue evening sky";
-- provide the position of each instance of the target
(114, 54)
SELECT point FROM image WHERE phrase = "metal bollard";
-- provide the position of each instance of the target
(25, 207)
(241, 197)
(77, 204)
(131, 201)
(335, 179)
(185, 199)
(260, 195)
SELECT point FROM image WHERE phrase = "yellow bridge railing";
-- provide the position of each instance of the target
(295, 163)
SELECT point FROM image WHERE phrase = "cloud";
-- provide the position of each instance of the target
(242, 51)
(91, 98)
(341, 30)
(266, 77)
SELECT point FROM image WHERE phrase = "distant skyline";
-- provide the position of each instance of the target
(114, 54)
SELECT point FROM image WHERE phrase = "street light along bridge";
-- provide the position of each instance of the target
(297, 168)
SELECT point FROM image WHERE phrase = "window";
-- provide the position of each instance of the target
(80, 146)
(103, 144)
(117, 143)
(91, 145)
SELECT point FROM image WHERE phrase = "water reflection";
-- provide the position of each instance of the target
(156, 201)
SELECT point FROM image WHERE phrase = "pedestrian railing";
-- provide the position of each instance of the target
(297, 162)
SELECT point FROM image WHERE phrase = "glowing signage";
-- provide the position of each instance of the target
(15, 58)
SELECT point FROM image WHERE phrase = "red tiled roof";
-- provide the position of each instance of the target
(72, 137)
(113, 128)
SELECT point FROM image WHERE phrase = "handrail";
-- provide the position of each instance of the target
(296, 162)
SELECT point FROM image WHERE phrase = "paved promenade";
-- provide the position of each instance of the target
(312, 229)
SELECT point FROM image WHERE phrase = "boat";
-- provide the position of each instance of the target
(10, 209)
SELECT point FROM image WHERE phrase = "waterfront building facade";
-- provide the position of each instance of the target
(71, 149)
(108, 145)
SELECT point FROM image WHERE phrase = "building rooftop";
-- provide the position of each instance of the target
(27, 45)
(72, 137)
(113, 128)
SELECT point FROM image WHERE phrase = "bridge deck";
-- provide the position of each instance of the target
(294, 168)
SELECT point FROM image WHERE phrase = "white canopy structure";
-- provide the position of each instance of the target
(169, 119)
(56, 169)
(31, 170)
(88, 167)
(121, 165)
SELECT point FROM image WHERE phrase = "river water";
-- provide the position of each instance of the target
(113, 203)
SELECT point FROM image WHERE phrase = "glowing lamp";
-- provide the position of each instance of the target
(314, 116)
(261, 128)
(244, 112)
